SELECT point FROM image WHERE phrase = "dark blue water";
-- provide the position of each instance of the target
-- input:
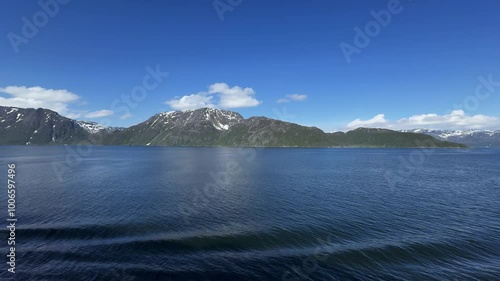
(152, 213)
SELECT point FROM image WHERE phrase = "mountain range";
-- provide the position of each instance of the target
(200, 127)
(473, 138)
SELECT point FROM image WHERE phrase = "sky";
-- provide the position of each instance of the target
(336, 65)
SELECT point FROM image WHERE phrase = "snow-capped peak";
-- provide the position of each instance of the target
(471, 137)
(220, 119)
(445, 134)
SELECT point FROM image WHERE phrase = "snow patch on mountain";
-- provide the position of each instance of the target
(220, 119)
(93, 127)
(468, 137)
(13, 110)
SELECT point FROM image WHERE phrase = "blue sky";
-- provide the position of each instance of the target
(421, 68)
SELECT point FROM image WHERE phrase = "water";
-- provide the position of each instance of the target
(153, 213)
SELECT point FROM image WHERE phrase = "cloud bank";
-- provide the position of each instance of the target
(56, 100)
(36, 97)
(456, 120)
(218, 95)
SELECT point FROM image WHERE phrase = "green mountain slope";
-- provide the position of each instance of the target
(369, 137)
(201, 127)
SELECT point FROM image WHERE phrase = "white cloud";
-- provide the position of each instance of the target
(456, 120)
(228, 97)
(56, 100)
(377, 121)
(35, 97)
(99, 113)
(297, 97)
(234, 97)
(293, 97)
(191, 102)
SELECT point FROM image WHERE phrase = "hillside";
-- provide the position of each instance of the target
(200, 127)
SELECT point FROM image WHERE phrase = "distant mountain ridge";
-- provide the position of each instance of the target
(474, 138)
(200, 127)
(94, 128)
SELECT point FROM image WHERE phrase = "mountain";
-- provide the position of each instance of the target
(29, 126)
(263, 131)
(190, 127)
(200, 127)
(474, 138)
(207, 127)
(38, 126)
(368, 137)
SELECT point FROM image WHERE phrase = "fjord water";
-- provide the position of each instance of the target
(180, 213)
